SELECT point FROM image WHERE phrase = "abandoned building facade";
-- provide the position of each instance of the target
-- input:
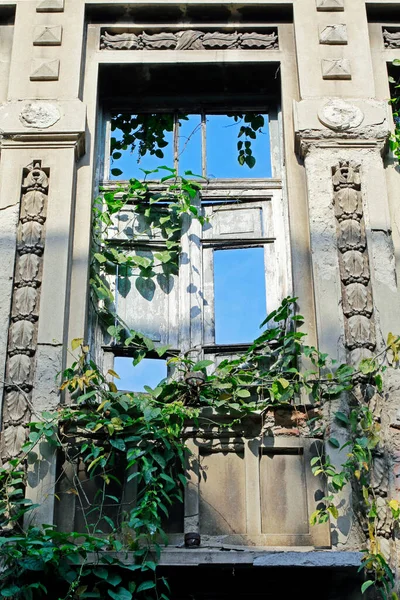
(320, 206)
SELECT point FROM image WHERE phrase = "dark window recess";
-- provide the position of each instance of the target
(239, 289)
(150, 371)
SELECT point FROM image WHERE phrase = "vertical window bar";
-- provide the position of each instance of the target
(203, 145)
(176, 142)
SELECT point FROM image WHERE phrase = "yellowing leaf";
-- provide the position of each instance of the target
(394, 504)
(334, 511)
(357, 474)
(76, 342)
(113, 373)
(112, 386)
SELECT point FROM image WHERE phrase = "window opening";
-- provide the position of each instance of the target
(205, 144)
(222, 140)
(240, 294)
(150, 371)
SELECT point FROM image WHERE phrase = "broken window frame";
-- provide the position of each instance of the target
(268, 192)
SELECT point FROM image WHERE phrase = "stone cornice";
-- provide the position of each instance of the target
(43, 123)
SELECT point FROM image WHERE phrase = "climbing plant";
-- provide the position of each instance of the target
(117, 438)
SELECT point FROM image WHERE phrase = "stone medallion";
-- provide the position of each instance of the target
(39, 115)
(340, 115)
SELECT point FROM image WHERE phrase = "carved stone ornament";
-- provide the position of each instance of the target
(39, 115)
(189, 39)
(357, 302)
(330, 5)
(22, 338)
(360, 332)
(348, 203)
(335, 68)
(340, 115)
(354, 267)
(335, 34)
(391, 38)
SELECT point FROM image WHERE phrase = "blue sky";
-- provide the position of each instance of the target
(240, 299)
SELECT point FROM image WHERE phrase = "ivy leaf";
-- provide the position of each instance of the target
(369, 582)
(116, 172)
(146, 585)
(202, 364)
(9, 591)
(340, 416)
(76, 342)
(161, 350)
(243, 393)
(120, 593)
(100, 257)
(118, 443)
(334, 442)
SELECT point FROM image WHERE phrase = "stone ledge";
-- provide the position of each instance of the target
(327, 559)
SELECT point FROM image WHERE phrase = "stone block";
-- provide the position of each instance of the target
(336, 68)
(44, 70)
(330, 5)
(333, 34)
(47, 36)
(50, 6)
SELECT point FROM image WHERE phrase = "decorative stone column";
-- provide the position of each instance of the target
(342, 143)
(41, 143)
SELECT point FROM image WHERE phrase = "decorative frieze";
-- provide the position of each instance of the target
(22, 338)
(357, 300)
(190, 39)
(391, 39)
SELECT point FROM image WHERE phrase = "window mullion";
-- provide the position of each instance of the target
(203, 145)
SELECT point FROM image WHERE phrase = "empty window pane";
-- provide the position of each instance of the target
(150, 371)
(189, 154)
(131, 163)
(240, 298)
(222, 139)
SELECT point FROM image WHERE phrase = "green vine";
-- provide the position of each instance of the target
(118, 438)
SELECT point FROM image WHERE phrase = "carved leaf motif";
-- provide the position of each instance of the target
(25, 300)
(258, 40)
(348, 201)
(351, 235)
(14, 437)
(16, 405)
(21, 335)
(357, 299)
(33, 203)
(190, 40)
(119, 41)
(158, 41)
(220, 40)
(346, 174)
(19, 368)
(31, 233)
(361, 332)
(354, 266)
(392, 39)
(36, 178)
(28, 267)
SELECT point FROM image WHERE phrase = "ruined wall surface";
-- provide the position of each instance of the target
(342, 185)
